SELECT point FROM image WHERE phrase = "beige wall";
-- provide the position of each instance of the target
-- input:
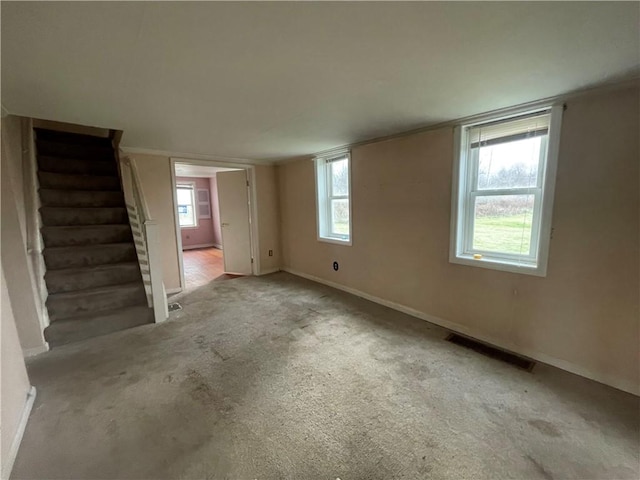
(14, 383)
(21, 281)
(583, 316)
(268, 218)
(12, 140)
(155, 177)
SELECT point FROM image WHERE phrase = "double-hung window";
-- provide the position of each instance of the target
(503, 192)
(186, 205)
(333, 187)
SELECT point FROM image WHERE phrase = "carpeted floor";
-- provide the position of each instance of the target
(277, 377)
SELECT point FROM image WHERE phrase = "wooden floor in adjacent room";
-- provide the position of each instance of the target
(202, 265)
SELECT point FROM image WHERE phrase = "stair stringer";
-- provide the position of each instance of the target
(137, 229)
(34, 242)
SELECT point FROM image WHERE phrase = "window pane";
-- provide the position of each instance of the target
(340, 217)
(502, 223)
(339, 177)
(184, 196)
(509, 165)
(185, 216)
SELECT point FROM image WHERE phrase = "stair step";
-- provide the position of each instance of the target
(71, 150)
(83, 215)
(85, 256)
(63, 181)
(75, 279)
(80, 198)
(85, 235)
(68, 137)
(94, 300)
(77, 166)
(82, 327)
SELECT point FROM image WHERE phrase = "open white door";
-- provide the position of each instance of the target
(233, 201)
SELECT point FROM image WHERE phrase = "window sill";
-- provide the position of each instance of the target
(335, 241)
(189, 228)
(497, 264)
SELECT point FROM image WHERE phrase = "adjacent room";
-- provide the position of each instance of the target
(206, 223)
(320, 240)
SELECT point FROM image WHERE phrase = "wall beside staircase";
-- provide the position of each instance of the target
(12, 140)
(15, 383)
(21, 284)
(155, 177)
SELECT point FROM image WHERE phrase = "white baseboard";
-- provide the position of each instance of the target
(615, 382)
(171, 291)
(30, 352)
(267, 271)
(218, 246)
(7, 463)
(199, 245)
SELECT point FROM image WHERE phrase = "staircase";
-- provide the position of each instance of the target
(93, 277)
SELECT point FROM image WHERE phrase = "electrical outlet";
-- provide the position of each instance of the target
(271, 253)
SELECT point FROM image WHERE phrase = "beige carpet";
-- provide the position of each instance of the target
(277, 377)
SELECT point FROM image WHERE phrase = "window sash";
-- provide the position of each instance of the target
(330, 198)
(329, 173)
(469, 228)
(473, 166)
(471, 192)
(333, 233)
(324, 185)
(192, 204)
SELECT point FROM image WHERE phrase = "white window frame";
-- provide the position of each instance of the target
(323, 198)
(461, 249)
(191, 186)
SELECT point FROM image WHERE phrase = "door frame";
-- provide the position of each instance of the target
(251, 197)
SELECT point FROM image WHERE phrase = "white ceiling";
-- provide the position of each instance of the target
(273, 80)
(200, 171)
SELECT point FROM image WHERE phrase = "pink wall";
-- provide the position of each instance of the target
(204, 233)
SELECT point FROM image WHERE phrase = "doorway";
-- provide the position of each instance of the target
(213, 211)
